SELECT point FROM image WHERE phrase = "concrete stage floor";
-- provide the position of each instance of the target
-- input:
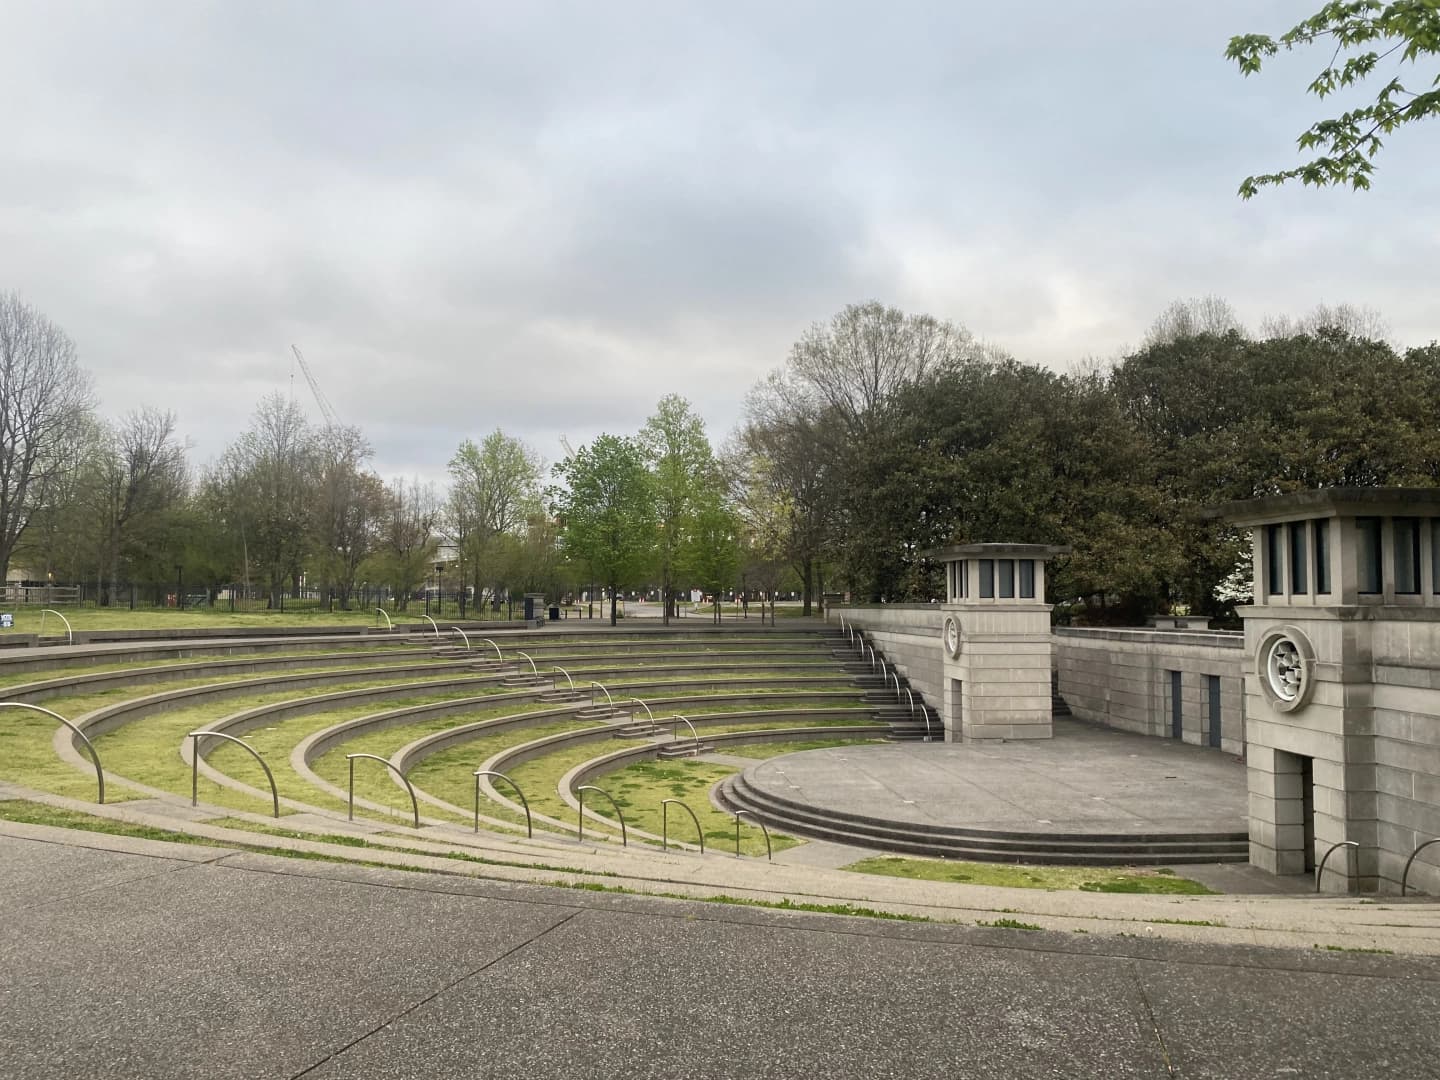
(1086, 780)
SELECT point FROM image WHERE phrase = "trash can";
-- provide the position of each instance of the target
(529, 608)
(554, 612)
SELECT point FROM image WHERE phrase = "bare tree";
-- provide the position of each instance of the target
(853, 365)
(347, 509)
(1191, 318)
(407, 539)
(140, 476)
(1357, 321)
(266, 475)
(45, 401)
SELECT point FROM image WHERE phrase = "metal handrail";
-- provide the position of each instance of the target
(414, 802)
(872, 655)
(1406, 872)
(648, 713)
(693, 733)
(911, 694)
(529, 828)
(895, 675)
(1320, 870)
(196, 736)
(567, 677)
(432, 624)
(498, 654)
(665, 823)
(608, 699)
(388, 624)
(769, 852)
(69, 634)
(99, 772)
(579, 794)
(533, 669)
(463, 635)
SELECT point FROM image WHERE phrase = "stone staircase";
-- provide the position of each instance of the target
(909, 718)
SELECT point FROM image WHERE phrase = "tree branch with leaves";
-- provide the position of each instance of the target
(1366, 35)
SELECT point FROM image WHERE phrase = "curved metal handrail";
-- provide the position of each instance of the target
(498, 654)
(533, 669)
(769, 852)
(895, 675)
(579, 794)
(566, 674)
(432, 624)
(648, 713)
(1406, 872)
(872, 655)
(665, 824)
(608, 699)
(388, 624)
(1320, 870)
(99, 772)
(529, 828)
(69, 634)
(464, 635)
(911, 694)
(414, 802)
(693, 733)
(196, 736)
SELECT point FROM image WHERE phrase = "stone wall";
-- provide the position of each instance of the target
(1120, 678)
(1124, 679)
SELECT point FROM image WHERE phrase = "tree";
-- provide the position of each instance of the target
(680, 460)
(1357, 322)
(406, 545)
(710, 555)
(607, 512)
(347, 508)
(44, 407)
(266, 477)
(494, 492)
(1191, 318)
(140, 477)
(1366, 34)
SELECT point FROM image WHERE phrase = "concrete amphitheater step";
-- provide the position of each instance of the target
(919, 839)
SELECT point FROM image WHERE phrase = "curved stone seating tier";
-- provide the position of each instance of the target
(589, 771)
(100, 680)
(510, 757)
(62, 657)
(110, 717)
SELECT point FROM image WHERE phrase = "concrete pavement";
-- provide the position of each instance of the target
(128, 958)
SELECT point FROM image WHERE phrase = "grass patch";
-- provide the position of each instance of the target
(1008, 924)
(1022, 876)
(1355, 949)
(1188, 922)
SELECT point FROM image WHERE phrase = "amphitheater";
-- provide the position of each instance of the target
(642, 758)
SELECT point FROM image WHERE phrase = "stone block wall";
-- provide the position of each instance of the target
(1123, 679)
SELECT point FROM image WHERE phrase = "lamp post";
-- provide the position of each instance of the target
(440, 588)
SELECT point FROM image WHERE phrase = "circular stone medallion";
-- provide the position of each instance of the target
(951, 636)
(1285, 660)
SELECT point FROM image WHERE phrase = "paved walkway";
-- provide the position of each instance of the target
(1086, 779)
(136, 959)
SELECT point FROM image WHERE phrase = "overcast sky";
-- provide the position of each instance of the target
(544, 216)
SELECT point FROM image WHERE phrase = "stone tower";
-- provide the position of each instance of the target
(996, 641)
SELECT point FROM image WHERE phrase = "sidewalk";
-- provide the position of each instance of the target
(1304, 921)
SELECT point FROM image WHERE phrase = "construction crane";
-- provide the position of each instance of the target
(326, 409)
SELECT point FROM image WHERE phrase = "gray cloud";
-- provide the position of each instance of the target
(544, 217)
